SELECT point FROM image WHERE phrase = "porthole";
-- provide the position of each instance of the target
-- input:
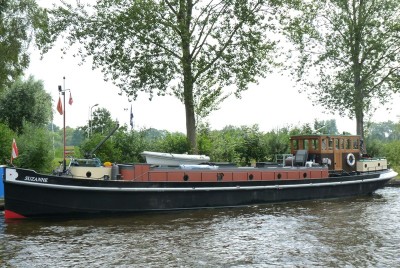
(88, 174)
(251, 177)
(279, 176)
(220, 176)
(185, 177)
(304, 175)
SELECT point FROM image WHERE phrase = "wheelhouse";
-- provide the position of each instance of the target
(339, 152)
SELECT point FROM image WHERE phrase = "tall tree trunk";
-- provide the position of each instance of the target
(360, 124)
(184, 19)
(359, 103)
(190, 119)
(357, 67)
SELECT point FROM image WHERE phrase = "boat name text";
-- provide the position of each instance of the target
(36, 179)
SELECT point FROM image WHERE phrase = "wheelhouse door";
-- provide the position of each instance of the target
(337, 153)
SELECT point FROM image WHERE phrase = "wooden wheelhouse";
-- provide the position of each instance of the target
(338, 152)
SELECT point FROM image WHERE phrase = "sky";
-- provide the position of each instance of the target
(272, 104)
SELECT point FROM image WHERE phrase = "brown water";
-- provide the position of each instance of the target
(353, 232)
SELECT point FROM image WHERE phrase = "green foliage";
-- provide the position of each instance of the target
(20, 22)
(382, 140)
(383, 131)
(350, 50)
(251, 147)
(392, 150)
(6, 138)
(106, 152)
(192, 50)
(325, 127)
(240, 145)
(131, 144)
(175, 143)
(224, 145)
(35, 149)
(375, 148)
(204, 140)
(102, 122)
(77, 137)
(25, 101)
(276, 143)
(301, 130)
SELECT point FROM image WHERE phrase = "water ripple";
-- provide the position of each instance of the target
(353, 232)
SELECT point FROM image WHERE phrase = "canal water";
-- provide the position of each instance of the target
(352, 232)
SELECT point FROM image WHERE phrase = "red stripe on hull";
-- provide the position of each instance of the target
(8, 214)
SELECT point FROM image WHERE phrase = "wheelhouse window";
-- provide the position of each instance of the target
(305, 142)
(295, 144)
(330, 144)
(348, 143)
(323, 143)
(315, 144)
(355, 144)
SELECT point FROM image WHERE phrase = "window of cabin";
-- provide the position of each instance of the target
(341, 144)
(348, 143)
(323, 144)
(337, 144)
(315, 144)
(355, 144)
(295, 144)
(305, 144)
(330, 144)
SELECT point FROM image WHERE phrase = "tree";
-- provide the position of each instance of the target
(325, 127)
(251, 147)
(25, 101)
(130, 144)
(351, 48)
(382, 131)
(102, 122)
(392, 152)
(175, 143)
(77, 137)
(6, 138)
(20, 22)
(225, 144)
(277, 143)
(193, 50)
(106, 152)
(35, 148)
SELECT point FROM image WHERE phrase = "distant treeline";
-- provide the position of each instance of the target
(244, 145)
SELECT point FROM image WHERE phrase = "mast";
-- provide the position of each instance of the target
(62, 91)
(65, 162)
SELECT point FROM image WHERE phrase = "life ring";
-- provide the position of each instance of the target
(351, 160)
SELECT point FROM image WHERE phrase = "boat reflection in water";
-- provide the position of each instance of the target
(319, 167)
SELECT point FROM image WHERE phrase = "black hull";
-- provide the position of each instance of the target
(67, 197)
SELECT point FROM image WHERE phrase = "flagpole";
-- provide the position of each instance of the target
(11, 156)
(60, 110)
(64, 162)
(12, 145)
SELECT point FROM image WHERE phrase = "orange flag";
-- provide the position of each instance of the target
(59, 106)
